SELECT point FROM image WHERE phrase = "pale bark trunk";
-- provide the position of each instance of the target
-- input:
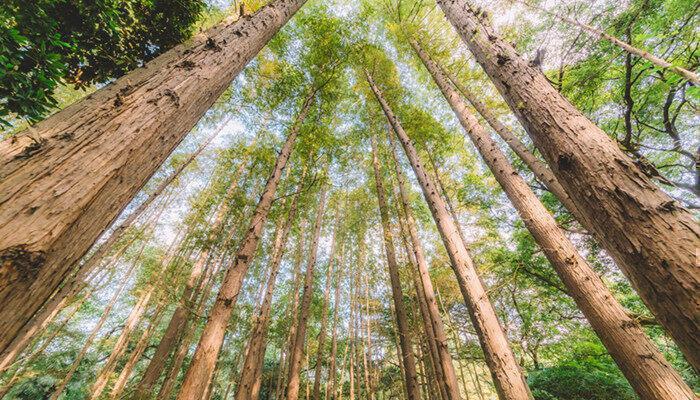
(508, 377)
(251, 370)
(180, 315)
(66, 180)
(367, 351)
(202, 367)
(96, 329)
(642, 363)
(297, 349)
(658, 61)
(407, 361)
(135, 356)
(627, 212)
(324, 314)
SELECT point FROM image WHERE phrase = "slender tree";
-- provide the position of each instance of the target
(95, 155)
(408, 363)
(505, 370)
(297, 349)
(627, 212)
(642, 363)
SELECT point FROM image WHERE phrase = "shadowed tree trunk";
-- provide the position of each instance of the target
(297, 349)
(507, 376)
(626, 211)
(331, 384)
(69, 177)
(78, 282)
(642, 363)
(201, 369)
(407, 361)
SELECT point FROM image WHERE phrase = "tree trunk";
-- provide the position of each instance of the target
(508, 377)
(202, 367)
(140, 347)
(324, 315)
(297, 349)
(251, 370)
(407, 361)
(642, 363)
(68, 178)
(658, 61)
(180, 315)
(627, 212)
(540, 169)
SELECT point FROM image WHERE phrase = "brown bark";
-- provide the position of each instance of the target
(96, 329)
(135, 356)
(324, 315)
(626, 211)
(407, 361)
(68, 178)
(658, 61)
(297, 349)
(202, 367)
(508, 377)
(251, 370)
(180, 315)
(539, 168)
(642, 363)
(443, 367)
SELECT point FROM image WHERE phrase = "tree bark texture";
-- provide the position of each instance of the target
(628, 214)
(65, 180)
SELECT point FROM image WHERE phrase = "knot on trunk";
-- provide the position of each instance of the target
(19, 263)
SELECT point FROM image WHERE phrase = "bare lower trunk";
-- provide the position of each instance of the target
(331, 384)
(68, 178)
(407, 361)
(202, 367)
(297, 349)
(645, 367)
(250, 371)
(507, 375)
(626, 211)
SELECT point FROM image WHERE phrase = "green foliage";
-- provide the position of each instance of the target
(46, 43)
(579, 381)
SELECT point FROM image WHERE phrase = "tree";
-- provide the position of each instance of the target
(127, 147)
(628, 212)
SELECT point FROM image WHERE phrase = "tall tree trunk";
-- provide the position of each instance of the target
(96, 329)
(627, 212)
(324, 313)
(508, 377)
(202, 367)
(407, 361)
(251, 370)
(297, 349)
(539, 168)
(642, 363)
(135, 356)
(434, 327)
(95, 155)
(180, 315)
(658, 61)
